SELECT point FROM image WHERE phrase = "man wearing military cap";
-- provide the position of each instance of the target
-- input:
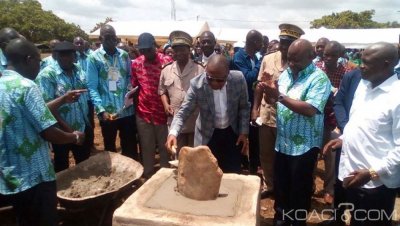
(271, 67)
(175, 81)
(56, 80)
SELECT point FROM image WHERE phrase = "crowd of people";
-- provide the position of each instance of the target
(272, 106)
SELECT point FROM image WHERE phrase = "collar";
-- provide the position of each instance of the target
(204, 57)
(60, 71)
(306, 71)
(385, 86)
(103, 52)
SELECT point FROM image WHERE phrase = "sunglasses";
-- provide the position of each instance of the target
(218, 80)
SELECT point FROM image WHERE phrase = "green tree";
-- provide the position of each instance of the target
(36, 24)
(349, 19)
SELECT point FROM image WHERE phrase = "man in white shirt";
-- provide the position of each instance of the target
(224, 112)
(207, 44)
(370, 160)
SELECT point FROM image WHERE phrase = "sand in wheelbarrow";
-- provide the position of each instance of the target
(103, 173)
(89, 185)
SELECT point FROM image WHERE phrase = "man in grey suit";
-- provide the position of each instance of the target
(223, 122)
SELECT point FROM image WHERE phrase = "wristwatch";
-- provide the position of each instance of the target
(280, 97)
(373, 174)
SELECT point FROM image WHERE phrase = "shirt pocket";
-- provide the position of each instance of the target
(169, 82)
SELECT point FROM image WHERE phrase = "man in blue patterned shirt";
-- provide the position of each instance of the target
(6, 34)
(108, 77)
(55, 81)
(302, 92)
(27, 175)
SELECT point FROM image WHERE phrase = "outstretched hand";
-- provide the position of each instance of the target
(73, 95)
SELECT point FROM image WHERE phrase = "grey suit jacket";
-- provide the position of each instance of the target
(200, 95)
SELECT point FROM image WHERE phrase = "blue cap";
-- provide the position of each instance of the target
(146, 41)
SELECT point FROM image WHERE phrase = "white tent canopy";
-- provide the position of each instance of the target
(133, 29)
(351, 38)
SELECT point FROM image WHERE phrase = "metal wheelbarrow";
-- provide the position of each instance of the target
(110, 167)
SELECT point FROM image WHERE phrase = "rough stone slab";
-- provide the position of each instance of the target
(135, 210)
(199, 176)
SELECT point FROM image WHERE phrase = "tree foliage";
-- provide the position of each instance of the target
(36, 24)
(349, 19)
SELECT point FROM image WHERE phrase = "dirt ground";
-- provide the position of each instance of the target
(266, 205)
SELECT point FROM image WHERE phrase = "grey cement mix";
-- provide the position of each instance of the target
(167, 198)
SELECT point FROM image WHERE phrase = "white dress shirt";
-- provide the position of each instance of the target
(204, 59)
(371, 138)
(221, 120)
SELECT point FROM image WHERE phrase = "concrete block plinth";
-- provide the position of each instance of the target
(156, 203)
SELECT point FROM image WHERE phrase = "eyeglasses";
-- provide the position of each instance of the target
(218, 80)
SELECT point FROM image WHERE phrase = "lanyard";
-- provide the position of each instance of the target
(114, 59)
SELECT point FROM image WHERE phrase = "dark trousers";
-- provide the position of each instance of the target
(339, 191)
(127, 134)
(37, 205)
(254, 150)
(224, 148)
(293, 182)
(81, 152)
(372, 207)
(91, 120)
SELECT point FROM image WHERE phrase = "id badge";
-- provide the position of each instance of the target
(112, 85)
(113, 74)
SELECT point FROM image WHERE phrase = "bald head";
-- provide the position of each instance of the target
(107, 29)
(385, 52)
(108, 39)
(332, 52)
(24, 57)
(218, 61)
(320, 46)
(207, 43)
(207, 34)
(254, 40)
(217, 70)
(378, 61)
(7, 34)
(300, 55)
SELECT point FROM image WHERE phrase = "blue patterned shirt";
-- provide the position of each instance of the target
(298, 133)
(3, 62)
(47, 61)
(81, 60)
(54, 83)
(98, 80)
(24, 154)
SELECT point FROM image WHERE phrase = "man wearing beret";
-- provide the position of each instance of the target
(175, 81)
(56, 80)
(271, 68)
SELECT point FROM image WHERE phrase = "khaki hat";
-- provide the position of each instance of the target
(180, 38)
(290, 31)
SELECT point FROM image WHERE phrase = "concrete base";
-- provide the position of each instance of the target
(157, 203)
